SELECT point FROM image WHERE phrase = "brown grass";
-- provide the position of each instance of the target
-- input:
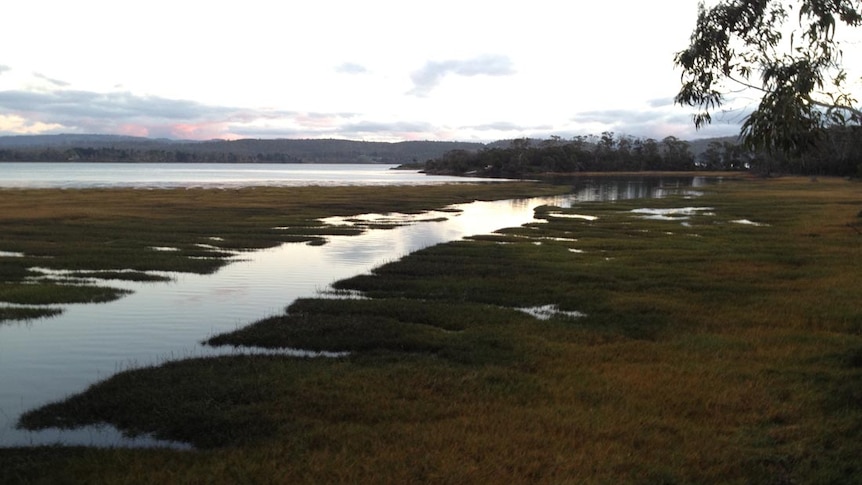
(712, 353)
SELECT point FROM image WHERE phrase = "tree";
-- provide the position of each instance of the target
(676, 154)
(649, 154)
(713, 157)
(792, 48)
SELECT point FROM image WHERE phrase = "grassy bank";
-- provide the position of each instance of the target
(716, 340)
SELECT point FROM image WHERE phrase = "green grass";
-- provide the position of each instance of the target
(711, 352)
(48, 293)
(12, 314)
(139, 276)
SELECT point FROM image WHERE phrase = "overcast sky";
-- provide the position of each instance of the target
(380, 70)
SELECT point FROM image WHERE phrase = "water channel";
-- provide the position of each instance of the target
(48, 359)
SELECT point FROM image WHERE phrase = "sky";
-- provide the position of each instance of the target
(375, 70)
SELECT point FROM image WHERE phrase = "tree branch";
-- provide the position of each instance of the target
(855, 111)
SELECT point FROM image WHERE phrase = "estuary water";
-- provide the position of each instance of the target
(45, 360)
(208, 175)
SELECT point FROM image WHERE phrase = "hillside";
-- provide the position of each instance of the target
(117, 148)
(113, 148)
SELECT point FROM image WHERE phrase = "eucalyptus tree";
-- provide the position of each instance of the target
(677, 155)
(789, 52)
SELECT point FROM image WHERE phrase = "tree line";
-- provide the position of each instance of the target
(834, 151)
(604, 153)
(837, 151)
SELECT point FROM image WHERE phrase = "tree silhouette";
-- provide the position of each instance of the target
(789, 52)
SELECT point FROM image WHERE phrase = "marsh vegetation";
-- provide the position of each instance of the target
(66, 246)
(720, 345)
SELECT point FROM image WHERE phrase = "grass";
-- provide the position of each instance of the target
(107, 234)
(50, 293)
(12, 314)
(711, 352)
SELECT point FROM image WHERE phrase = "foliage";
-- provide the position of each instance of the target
(724, 155)
(801, 78)
(48, 293)
(837, 151)
(11, 314)
(609, 152)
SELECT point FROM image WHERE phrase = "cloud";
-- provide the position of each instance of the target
(128, 113)
(661, 102)
(67, 106)
(55, 82)
(508, 126)
(653, 123)
(495, 126)
(615, 116)
(430, 75)
(121, 112)
(4, 68)
(13, 124)
(351, 68)
(76, 111)
(53, 108)
(334, 125)
(365, 126)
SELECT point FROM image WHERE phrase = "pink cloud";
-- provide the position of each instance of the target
(194, 131)
(318, 121)
(133, 130)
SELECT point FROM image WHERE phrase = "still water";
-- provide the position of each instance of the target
(207, 175)
(47, 359)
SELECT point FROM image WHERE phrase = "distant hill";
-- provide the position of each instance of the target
(115, 148)
(337, 151)
(118, 148)
(699, 146)
(83, 141)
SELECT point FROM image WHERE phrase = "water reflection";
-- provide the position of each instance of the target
(623, 188)
(45, 360)
(210, 175)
